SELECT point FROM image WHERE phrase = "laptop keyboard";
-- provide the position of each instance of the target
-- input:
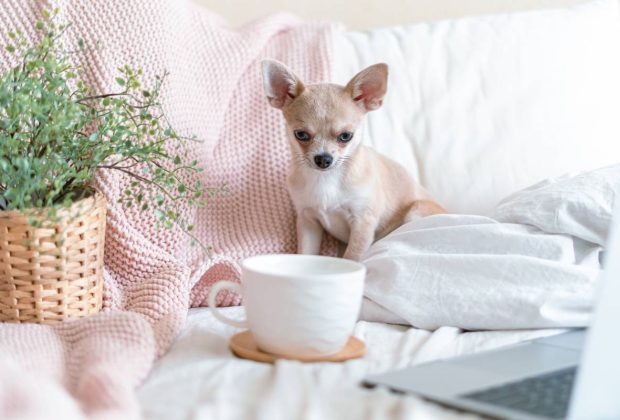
(545, 395)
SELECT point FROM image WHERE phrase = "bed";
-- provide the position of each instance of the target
(509, 120)
(492, 123)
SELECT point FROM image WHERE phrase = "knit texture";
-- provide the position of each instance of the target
(214, 90)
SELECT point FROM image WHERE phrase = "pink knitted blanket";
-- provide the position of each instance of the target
(92, 366)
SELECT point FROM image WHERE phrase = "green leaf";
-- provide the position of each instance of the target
(120, 81)
(39, 25)
(177, 160)
(10, 48)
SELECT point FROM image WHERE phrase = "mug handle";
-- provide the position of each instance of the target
(215, 310)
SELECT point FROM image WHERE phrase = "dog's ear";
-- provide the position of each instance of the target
(281, 84)
(368, 87)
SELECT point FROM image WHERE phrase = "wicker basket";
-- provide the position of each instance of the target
(44, 279)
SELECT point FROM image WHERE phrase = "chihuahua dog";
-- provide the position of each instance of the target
(336, 183)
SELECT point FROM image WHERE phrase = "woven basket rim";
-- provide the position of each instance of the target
(94, 200)
(53, 271)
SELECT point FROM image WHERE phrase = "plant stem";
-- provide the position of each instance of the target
(140, 178)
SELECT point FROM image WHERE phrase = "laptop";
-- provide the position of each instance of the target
(574, 375)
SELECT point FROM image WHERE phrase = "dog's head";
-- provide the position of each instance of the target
(322, 119)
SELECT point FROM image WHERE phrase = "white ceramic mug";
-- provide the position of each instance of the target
(297, 305)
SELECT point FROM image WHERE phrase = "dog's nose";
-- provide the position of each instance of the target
(323, 161)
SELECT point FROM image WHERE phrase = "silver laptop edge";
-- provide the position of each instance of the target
(595, 392)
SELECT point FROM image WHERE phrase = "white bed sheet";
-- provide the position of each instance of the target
(199, 378)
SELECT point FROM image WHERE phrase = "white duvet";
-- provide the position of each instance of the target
(534, 265)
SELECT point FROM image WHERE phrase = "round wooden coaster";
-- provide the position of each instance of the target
(244, 346)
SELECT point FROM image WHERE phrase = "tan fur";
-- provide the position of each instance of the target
(363, 195)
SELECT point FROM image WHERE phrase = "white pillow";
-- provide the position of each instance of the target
(581, 205)
(478, 108)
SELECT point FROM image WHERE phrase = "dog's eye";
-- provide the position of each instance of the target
(345, 136)
(302, 135)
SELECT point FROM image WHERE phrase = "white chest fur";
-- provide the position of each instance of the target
(323, 197)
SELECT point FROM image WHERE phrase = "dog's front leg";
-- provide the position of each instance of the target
(309, 234)
(362, 236)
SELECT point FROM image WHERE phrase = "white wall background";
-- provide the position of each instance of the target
(364, 14)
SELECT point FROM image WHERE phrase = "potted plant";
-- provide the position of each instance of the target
(55, 134)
